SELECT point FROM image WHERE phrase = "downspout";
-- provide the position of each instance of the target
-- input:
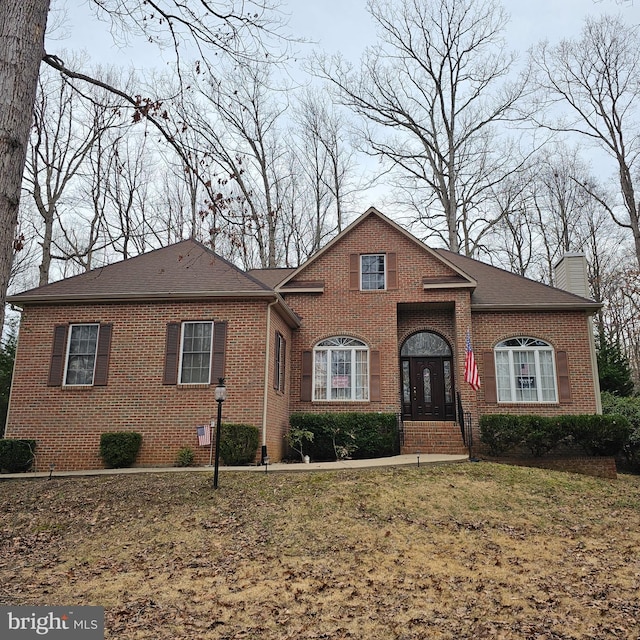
(267, 368)
(594, 364)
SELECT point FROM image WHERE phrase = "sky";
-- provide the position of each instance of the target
(339, 26)
(334, 26)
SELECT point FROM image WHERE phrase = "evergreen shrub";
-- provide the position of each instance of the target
(16, 456)
(358, 435)
(119, 449)
(238, 443)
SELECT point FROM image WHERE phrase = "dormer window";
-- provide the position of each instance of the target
(372, 272)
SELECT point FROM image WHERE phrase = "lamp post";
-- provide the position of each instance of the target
(221, 396)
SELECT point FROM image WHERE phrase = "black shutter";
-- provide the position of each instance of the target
(56, 367)
(218, 351)
(172, 347)
(102, 355)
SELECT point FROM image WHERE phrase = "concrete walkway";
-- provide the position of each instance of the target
(279, 467)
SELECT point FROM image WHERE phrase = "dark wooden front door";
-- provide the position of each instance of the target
(427, 388)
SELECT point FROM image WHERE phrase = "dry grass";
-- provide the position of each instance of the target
(459, 551)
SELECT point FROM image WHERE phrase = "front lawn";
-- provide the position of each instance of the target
(454, 551)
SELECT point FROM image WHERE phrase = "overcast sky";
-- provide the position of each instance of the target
(342, 25)
(335, 26)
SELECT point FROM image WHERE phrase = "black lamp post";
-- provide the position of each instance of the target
(221, 396)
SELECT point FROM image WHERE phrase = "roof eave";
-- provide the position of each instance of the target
(292, 319)
(592, 307)
(133, 296)
(449, 285)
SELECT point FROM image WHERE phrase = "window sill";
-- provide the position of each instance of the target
(529, 403)
(187, 387)
(77, 387)
(334, 402)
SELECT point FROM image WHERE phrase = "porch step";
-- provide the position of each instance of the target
(432, 437)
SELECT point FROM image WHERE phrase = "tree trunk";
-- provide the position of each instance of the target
(22, 27)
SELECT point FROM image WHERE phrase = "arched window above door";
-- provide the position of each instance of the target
(425, 343)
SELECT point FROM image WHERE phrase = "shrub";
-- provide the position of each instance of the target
(342, 435)
(16, 456)
(601, 435)
(238, 443)
(630, 409)
(500, 433)
(598, 435)
(185, 457)
(296, 439)
(119, 449)
(541, 435)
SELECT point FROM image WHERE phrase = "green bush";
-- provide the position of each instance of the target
(119, 449)
(604, 435)
(500, 433)
(16, 456)
(185, 457)
(350, 434)
(238, 443)
(541, 435)
(630, 409)
(597, 435)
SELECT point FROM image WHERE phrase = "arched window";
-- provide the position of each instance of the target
(425, 343)
(525, 371)
(341, 369)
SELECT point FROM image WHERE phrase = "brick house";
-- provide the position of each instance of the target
(374, 321)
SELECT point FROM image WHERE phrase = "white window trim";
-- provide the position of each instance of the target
(384, 270)
(280, 346)
(182, 326)
(68, 350)
(328, 349)
(512, 371)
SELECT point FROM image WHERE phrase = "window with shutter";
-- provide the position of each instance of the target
(80, 355)
(195, 352)
(525, 371)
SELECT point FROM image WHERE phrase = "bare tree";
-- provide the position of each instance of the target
(65, 128)
(22, 28)
(323, 134)
(432, 94)
(594, 82)
(211, 26)
(238, 118)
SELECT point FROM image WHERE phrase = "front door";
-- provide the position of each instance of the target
(427, 388)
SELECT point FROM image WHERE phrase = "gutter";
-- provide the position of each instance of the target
(292, 319)
(591, 307)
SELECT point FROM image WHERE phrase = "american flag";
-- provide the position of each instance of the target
(471, 367)
(204, 435)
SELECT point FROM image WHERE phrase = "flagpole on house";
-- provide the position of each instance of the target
(472, 377)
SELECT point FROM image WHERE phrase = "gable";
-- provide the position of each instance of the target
(410, 264)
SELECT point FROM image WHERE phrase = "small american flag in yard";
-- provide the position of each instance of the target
(471, 367)
(204, 435)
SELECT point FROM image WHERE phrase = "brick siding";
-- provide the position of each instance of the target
(67, 422)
